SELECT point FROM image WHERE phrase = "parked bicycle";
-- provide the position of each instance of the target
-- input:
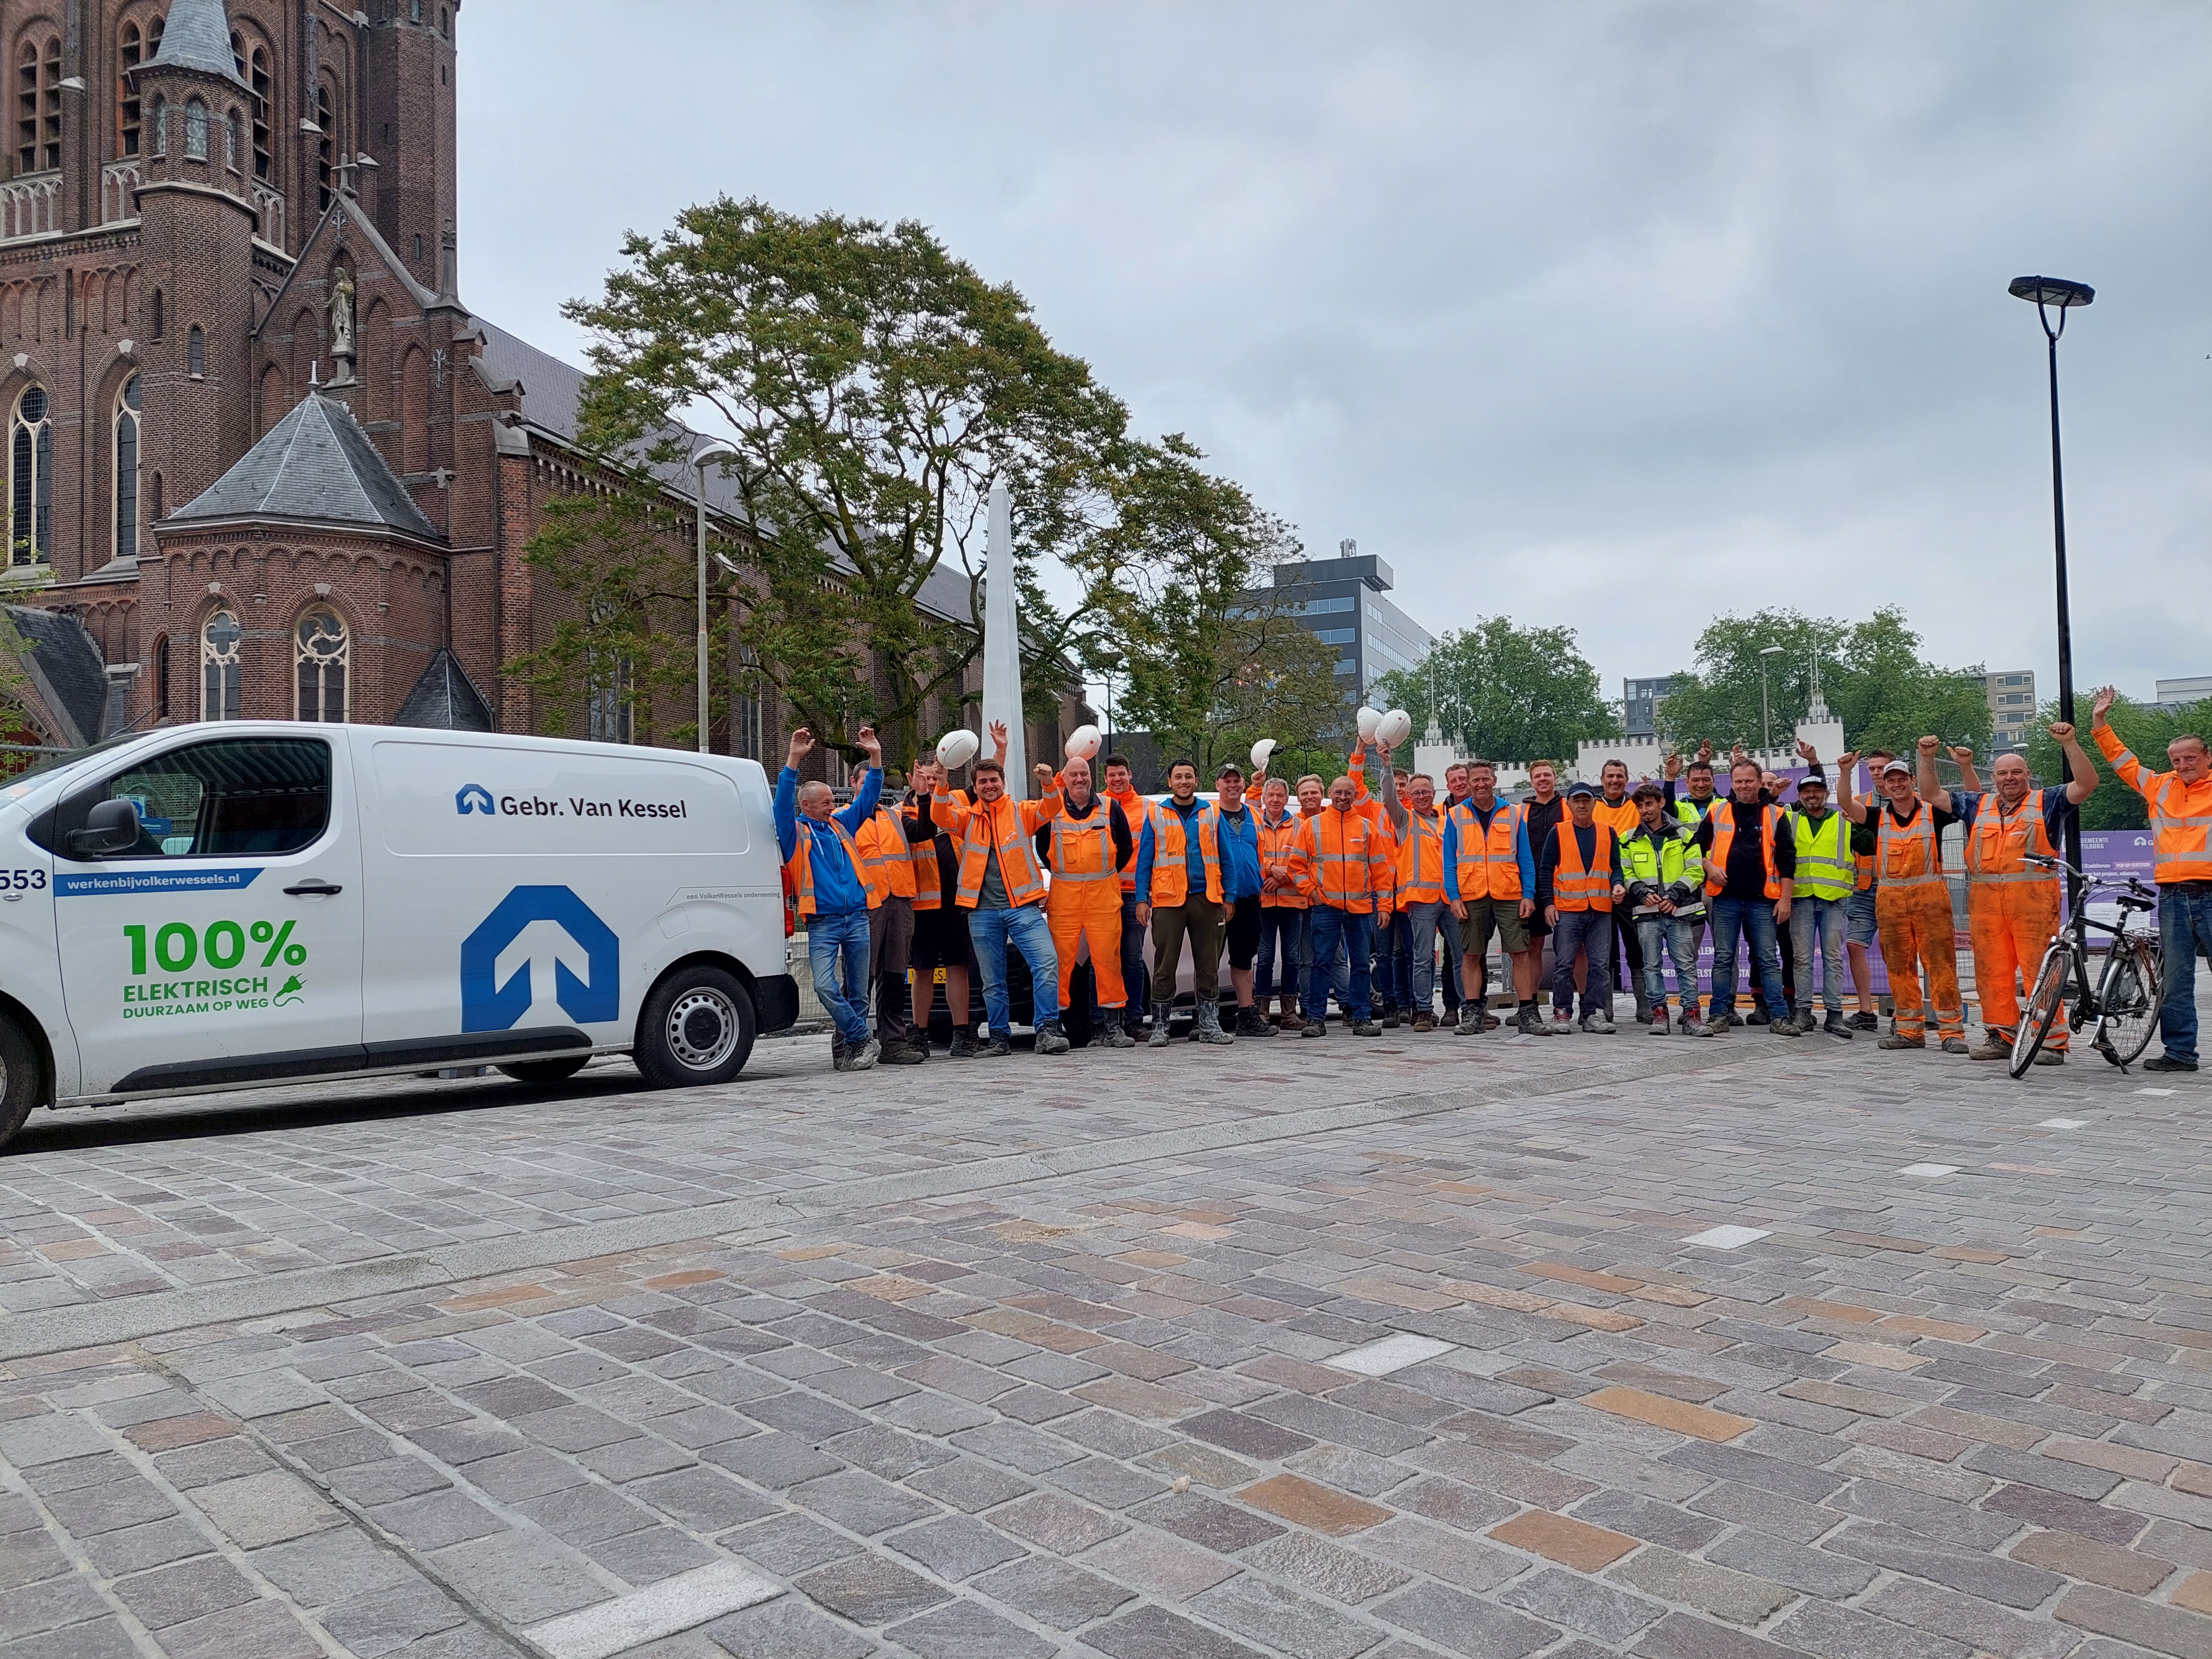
(2122, 1011)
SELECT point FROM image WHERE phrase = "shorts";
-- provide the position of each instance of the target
(1503, 916)
(940, 938)
(1245, 932)
(1859, 924)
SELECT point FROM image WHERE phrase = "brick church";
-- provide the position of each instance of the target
(263, 462)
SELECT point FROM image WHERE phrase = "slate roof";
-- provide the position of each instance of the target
(444, 699)
(315, 464)
(197, 36)
(67, 669)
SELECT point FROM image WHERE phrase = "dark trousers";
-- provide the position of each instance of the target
(891, 947)
(1328, 927)
(1136, 979)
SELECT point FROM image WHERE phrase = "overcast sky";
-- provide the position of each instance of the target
(1617, 316)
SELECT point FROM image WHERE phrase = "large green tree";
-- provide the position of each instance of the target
(875, 386)
(1509, 693)
(1182, 611)
(1873, 675)
(2146, 731)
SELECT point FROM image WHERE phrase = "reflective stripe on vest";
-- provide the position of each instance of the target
(1574, 888)
(928, 885)
(1138, 810)
(1998, 845)
(1341, 845)
(1082, 848)
(888, 868)
(1670, 863)
(1863, 880)
(1421, 860)
(1171, 863)
(1692, 812)
(1489, 860)
(2181, 844)
(1716, 861)
(1905, 853)
(1826, 869)
(1277, 842)
(1017, 867)
(801, 865)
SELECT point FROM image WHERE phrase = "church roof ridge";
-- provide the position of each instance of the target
(316, 464)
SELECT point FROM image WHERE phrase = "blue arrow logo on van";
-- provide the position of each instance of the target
(488, 1005)
(474, 798)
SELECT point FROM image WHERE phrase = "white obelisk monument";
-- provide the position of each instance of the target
(1002, 646)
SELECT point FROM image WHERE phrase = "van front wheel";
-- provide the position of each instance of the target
(19, 1078)
(697, 1027)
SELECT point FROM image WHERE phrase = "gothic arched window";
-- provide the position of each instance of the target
(160, 119)
(234, 137)
(326, 143)
(196, 130)
(196, 351)
(133, 48)
(221, 676)
(127, 433)
(38, 106)
(161, 678)
(322, 650)
(30, 494)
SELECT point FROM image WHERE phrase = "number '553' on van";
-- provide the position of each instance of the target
(237, 904)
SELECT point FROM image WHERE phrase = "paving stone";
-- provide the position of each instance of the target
(1309, 1504)
(957, 1547)
(871, 1590)
(1053, 1592)
(1239, 1432)
(1737, 1597)
(964, 1630)
(1203, 1521)
(323, 1566)
(702, 1499)
(1160, 1566)
(1678, 1636)
(862, 1503)
(789, 1545)
(1149, 1633)
(774, 1460)
(1580, 1604)
(1444, 1554)
(2100, 1564)
(1560, 1538)
(387, 1620)
(1834, 1632)
(133, 1549)
(1815, 1571)
(49, 1604)
(103, 1638)
(1461, 1624)
(2147, 1624)
(788, 1628)
(1654, 1522)
(968, 1484)
(523, 1577)
(1967, 1619)
(1281, 1621)
(264, 1509)
(1103, 1481)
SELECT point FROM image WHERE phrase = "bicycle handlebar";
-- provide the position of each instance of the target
(2054, 862)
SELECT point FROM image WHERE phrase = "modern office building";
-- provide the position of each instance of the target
(1639, 705)
(2012, 705)
(2195, 688)
(1341, 602)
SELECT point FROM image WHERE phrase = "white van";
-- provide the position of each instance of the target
(245, 902)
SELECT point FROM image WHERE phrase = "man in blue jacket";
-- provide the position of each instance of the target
(1238, 837)
(824, 867)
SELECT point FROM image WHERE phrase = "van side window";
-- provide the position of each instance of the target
(231, 797)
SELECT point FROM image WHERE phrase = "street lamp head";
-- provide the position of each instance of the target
(1769, 651)
(2051, 291)
(713, 451)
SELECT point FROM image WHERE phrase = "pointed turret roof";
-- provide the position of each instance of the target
(445, 699)
(197, 36)
(317, 465)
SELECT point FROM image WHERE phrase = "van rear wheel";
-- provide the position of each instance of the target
(547, 1070)
(697, 1027)
(19, 1078)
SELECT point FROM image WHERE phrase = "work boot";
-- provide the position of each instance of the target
(1111, 1035)
(1893, 1040)
(1251, 1023)
(864, 1058)
(1207, 1027)
(1643, 1009)
(1425, 1021)
(840, 1058)
(1992, 1046)
(1050, 1039)
(1366, 1028)
(1784, 1027)
(1659, 1025)
(1161, 1010)
(1313, 1028)
(1756, 1017)
(904, 1054)
(1692, 1025)
(1562, 1023)
(999, 1045)
(2168, 1063)
(1956, 1045)
(1470, 1020)
(2050, 1057)
(1597, 1021)
(1390, 1016)
(1865, 1022)
(964, 1043)
(1837, 1026)
(1490, 1021)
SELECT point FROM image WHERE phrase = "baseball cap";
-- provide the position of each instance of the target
(1581, 787)
(1897, 766)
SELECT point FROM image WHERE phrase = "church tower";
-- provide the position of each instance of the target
(407, 125)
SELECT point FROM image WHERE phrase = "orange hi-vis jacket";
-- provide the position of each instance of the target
(885, 864)
(1138, 810)
(1170, 866)
(928, 888)
(1622, 820)
(2181, 813)
(1082, 848)
(1421, 860)
(1489, 861)
(1865, 864)
(1341, 862)
(800, 868)
(1906, 854)
(1574, 888)
(1716, 860)
(1005, 824)
(1276, 846)
(1998, 845)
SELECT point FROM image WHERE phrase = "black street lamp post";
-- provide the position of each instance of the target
(2051, 293)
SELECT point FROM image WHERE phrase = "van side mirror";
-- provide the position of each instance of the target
(111, 826)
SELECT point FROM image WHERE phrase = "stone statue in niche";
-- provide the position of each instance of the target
(342, 328)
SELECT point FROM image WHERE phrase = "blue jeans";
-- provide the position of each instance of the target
(1675, 936)
(1421, 926)
(835, 942)
(1824, 920)
(1281, 926)
(1752, 919)
(1326, 929)
(1590, 932)
(1025, 928)
(2184, 928)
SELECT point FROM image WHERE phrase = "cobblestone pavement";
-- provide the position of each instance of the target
(1728, 1350)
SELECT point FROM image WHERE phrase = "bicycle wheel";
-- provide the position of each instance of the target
(2044, 1004)
(2133, 989)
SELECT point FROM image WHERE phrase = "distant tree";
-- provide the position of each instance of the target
(15, 678)
(875, 386)
(2145, 730)
(1873, 676)
(1509, 693)
(1180, 609)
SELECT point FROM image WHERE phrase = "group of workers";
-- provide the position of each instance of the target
(1331, 889)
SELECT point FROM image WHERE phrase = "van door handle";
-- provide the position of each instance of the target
(314, 887)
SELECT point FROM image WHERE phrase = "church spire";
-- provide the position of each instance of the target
(196, 37)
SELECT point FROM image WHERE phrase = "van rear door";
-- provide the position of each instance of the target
(224, 948)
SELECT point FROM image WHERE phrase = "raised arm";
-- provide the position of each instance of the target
(1847, 767)
(2125, 767)
(2082, 782)
(1931, 790)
